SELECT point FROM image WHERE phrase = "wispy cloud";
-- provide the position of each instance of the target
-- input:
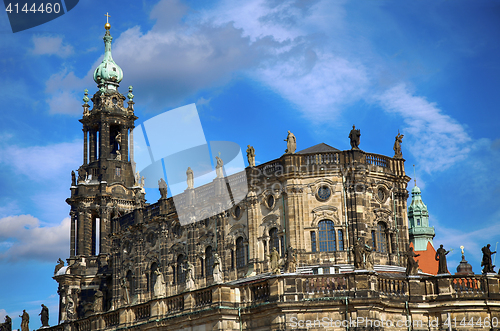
(436, 140)
(41, 163)
(22, 238)
(48, 45)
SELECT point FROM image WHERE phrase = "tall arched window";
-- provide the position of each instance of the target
(130, 285)
(341, 240)
(240, 253)
(274, 240)
(209, 261)
(326, 236)
(313, 241)
(181, 276)
(382, 237)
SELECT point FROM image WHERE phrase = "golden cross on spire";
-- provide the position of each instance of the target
(107, 25)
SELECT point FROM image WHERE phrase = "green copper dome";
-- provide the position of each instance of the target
(416, 202)
(108, 73)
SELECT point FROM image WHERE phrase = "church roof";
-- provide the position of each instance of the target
(319, 148)
(427, 260)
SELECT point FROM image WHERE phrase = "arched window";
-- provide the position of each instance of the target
(341, 240)
(274, 240)
(381, 237)
(240, 253)
(313, 241)
(374, 245)
(181, 276)
(130, 285)
(209, 261)
(326, 236)
(202, 267)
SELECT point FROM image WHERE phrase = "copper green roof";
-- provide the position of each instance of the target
(108, 74)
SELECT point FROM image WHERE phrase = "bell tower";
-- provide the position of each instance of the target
(105, 186)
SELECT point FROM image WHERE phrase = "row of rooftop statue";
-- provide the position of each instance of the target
(291, 144)
(25, 320)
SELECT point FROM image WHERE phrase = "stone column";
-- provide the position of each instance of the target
(294, 217)
(104, 141)
(80, 234)
(124, 143)
(72, 234)
(104, 231)
(87, 234)
(93, 144)
(85, 146)
(253, 226)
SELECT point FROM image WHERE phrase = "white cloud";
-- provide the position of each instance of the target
(46, 45)
(65, 90)
(436, 140)
(22, 238)
(3, 313)
(41, 163)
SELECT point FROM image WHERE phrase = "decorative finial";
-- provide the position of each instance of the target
(462, 248)
(86, 98)
(107, 26)
(130, 95)
(414, 175)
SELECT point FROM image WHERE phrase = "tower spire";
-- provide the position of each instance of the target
(108, 74)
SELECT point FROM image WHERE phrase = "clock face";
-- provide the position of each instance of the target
(324, 193)
(115, 100)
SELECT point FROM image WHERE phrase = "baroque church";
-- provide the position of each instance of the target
(317, 238)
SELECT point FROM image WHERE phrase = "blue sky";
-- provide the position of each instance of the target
(255, 69)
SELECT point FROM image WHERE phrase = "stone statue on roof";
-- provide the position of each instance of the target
(486, 262)
(354, 136)
(162, 185)
(219, 167)
(190, 178)
(397, 146)
(251, 156)
(25, 321)
(411, 263)
(441, 257)
(291, 143)
(60, 264)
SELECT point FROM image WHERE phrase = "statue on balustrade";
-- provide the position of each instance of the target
(59, 265)
(7, 325)
(411, 263)
(162, 185)
(160, 287)
(73, 178)
(355, 136)
(189, 275)
(44, 315)
(219, 170)
(487, 263)
(251, 156)
(98, 300)
(217, 269)
(441, 257)
(397, 146)
(358, 252)
(82, 174)
(291, 143)
(368, 249)
(190, 178)
(25, 321)
(275, 261)
(291, 260)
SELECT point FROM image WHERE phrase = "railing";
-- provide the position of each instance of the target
(270, 169)
(327, 285)
(112, 319)
(377, 160)
(468, 285)
(203, 298)
(205, 191)
(152, 211)
(175, 304)
(142, 312)
(84, 325)
(126, 220)
(391, 286)
(323, 158)
(260, 292)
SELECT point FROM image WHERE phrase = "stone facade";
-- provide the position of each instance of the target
(145, 270)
